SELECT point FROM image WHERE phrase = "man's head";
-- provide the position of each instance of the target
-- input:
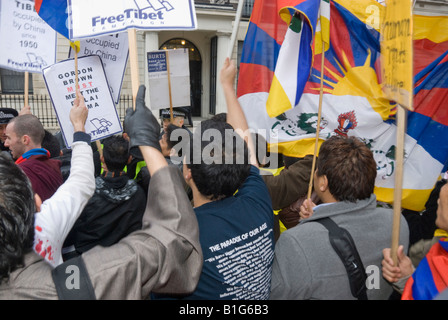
(51, 143)
(179, 115)
(442, 208)
(17, 208)
(171, 137)
(346, 169)
(218, 160)
(6, 114)
(115, 153)
(24, 133)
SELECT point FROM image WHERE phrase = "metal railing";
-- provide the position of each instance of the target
(42, 107)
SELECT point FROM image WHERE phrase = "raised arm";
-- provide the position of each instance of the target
(235, 114)
(58, 214)
(165, 256)
(144, 130)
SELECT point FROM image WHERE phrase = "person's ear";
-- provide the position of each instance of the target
(323, 183)
(26, 140)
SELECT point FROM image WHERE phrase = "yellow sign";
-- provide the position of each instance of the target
(397, 52)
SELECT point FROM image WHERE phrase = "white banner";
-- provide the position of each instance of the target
(159, 84)
(92, 18)
(103, 120)
(114, 51)
(28, 42)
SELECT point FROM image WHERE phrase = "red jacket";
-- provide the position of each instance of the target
(44, 174)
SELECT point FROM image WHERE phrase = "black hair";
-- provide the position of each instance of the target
(51, 143)
(17, 208)
(220, 117)
(218, 159)
(115, 152)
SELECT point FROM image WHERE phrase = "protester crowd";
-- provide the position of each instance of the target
(160, 212)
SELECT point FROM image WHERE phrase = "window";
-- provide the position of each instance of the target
(13, 82)
(213, 74)
(247, 8)
(240, 54)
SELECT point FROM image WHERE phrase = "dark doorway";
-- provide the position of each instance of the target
(195, 71)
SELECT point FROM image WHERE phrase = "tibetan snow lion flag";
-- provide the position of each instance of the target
(353, 102)
(54, 13)
(295, 57)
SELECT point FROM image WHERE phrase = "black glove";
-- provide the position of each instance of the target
(141, 125)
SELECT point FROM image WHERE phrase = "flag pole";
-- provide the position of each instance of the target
(133, 57)
(25, 94)
(319, 114)
(236, 25)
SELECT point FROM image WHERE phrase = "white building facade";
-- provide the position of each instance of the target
(208, 47)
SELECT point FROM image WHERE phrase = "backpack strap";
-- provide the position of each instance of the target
(72, 280)
(342, 242)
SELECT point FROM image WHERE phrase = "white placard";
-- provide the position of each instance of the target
(114, 51)
(103, 120)
(179, 78)
(28, 42)
(93, 18)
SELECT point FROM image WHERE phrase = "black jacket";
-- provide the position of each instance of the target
(114, 211)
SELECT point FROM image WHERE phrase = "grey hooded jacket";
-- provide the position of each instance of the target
(307, 267)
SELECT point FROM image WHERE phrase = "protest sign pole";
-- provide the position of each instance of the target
(398, 85)
(319, 114)
(235, 28)
(133, 57)
(401, 128)
(398, 192)
(25, 94)
(169, 84)
(76, 46)
(97, 142)
(76, 73)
